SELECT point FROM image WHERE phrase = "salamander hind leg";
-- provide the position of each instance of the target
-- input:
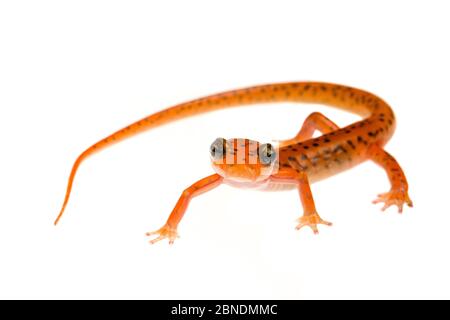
(398, 195)
(315, 121)
(394, 197)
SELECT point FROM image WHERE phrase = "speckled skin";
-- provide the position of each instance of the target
(300, 160)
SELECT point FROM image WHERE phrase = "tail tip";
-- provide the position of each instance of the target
(56, 220)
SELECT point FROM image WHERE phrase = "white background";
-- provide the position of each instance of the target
(73, 72)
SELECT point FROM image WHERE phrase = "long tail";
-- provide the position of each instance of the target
(343, 97)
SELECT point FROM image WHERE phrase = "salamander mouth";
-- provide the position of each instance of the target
(244, 173)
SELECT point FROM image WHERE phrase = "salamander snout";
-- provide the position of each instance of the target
(243, 160)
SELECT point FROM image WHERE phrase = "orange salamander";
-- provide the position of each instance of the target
(293, 163)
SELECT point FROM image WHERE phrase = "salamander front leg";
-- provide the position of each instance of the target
(310, 216)
(398, 195)
(169, 230)
(315, 121)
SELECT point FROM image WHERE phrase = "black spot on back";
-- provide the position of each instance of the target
(350, 143)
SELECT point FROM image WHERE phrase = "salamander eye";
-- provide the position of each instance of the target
(217, 149)
(267, 154)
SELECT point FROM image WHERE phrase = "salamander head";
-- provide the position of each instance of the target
(243, 160)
